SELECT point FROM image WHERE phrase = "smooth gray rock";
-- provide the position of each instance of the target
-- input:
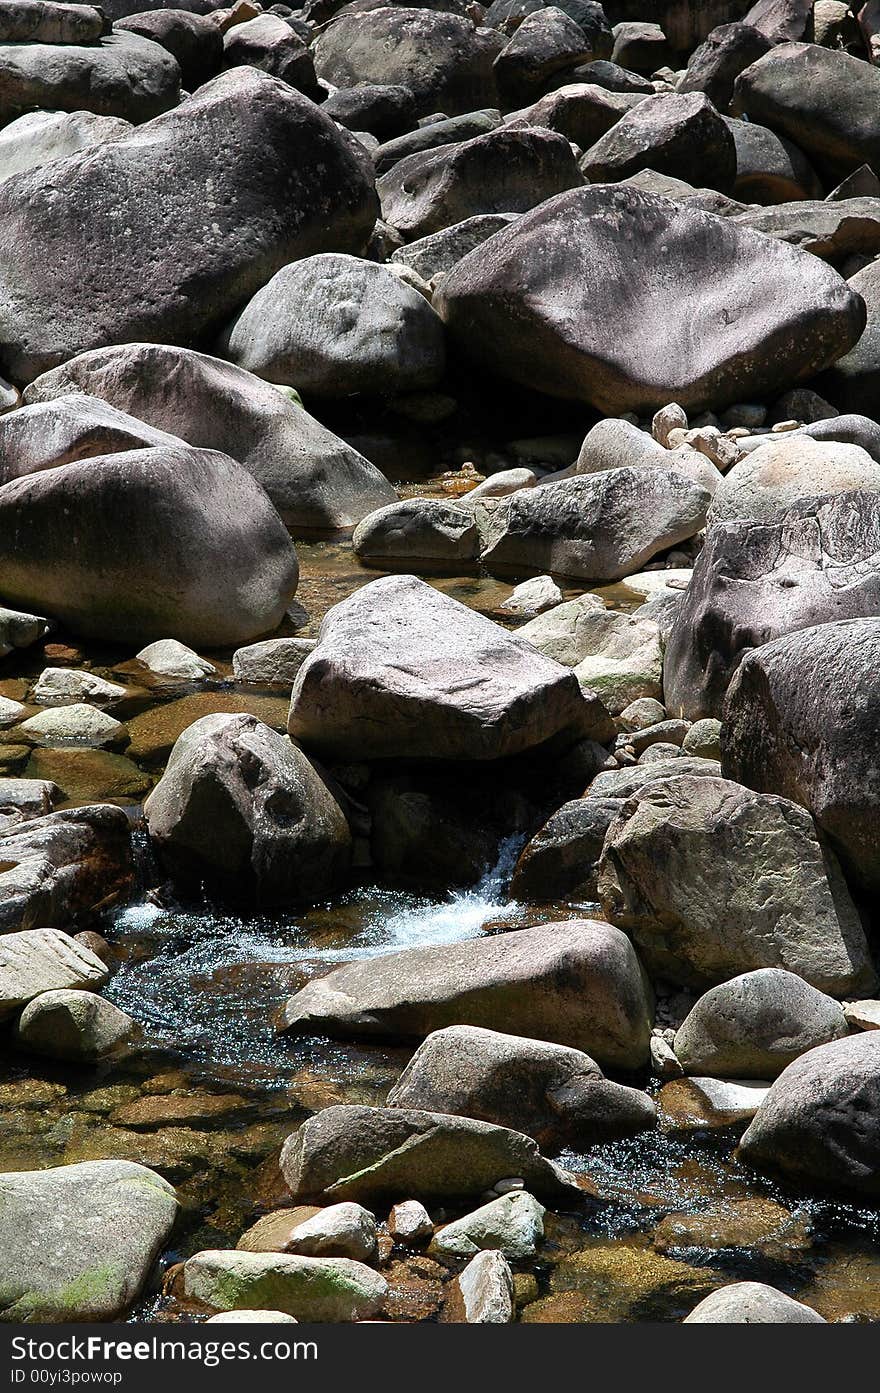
(512, 1225)
(274, 662)
(581, 111)
(169, 658)
(769, 168)
(714, 66)
(34, 21)
(242, 809)
(751, 1303)
(486, 1289)
(450, 130)
(578, 983)
(835, 231)
(763, 486)
(36, 961)
(109, 1221)
(778, 898)
(119, 75)
(42, 136)
(193, 39)
(267, 43)
(680, 135)
(307, 1288)
(545, 43)
(337, 1231)
(73, 1025)
(414, 530)
(67, 428)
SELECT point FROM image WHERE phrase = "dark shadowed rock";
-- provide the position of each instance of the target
(777, 896)
(575, 983)
(266, 42)
(613, 77)
(641, 46)
(401, 670)
(314, 479)
(152, 543)
(375, 1155)
(680, 135)
(802, 719)
(450, 131)
(442, 58)
(192, 39)
(853, 383)
(717, 63)
(770, 168)
(241, 808)
(385, 111)
(174, 269)
(580, 111)
(755, 581)
(820, 1122)
(596, 527)
(629, 302)
(506, 171)
(34, 21)
(334, 325)
(782, 21)
(827, 102)
(545, 43)
(555, 1094)
(120, 75)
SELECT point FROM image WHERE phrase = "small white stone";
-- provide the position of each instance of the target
(75, 725)
(533, 596)
(62, 684)
(862, 1015)
(168, 657)
(486, 1286)
(410, 1222)
(669, 418)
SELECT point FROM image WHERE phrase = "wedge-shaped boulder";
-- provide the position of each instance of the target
(820, 1121)
(546, 42)
(242, 809)
(401, 670)
(41, 136)
(755, 581)
(64, 866)
(375, 1155)
(35, 961)
(834, 231)
(164, 265)
(802, 719)
(309, 1289)
(146, 544)
(679, 135)
(416, 529)
(581, 111)
(556, 1094)
(315, 480)
(628, 301)
(68, 428)
(597, 527)
(119, 75)
(713, 880)
(576, 983)
(109, 1221)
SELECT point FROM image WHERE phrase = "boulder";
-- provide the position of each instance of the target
(614, 78)
(242, 809)
(176, 268)
(835, 231)
(119, 75)
(820, 1121)
(193, 39)
(790, 467)
(385, 111)
(595, 527)
(623, 659)
(307, 1288)
(577, 983)
(63, 867)
(437, 253)
(581, 111)
(853, 383)
(68, 428)
(700, 1105)
(751, 1303)
(770, 168)
(251, 1318)
(338, 1231)
(169, 658)
(777, 898)
(715, 65)
(486, 1289)
(315, 480)
(826, 101)
(571, 300)
(34, 21)
(555, 1094)
(274, 662)
(513, 1225)
(680, 135)
(378, 1154)
(410, 1223)
(416, 530)
(74, 724)
(134, 546)
(506, 171)
(42, 136)
(333, 326)
(754, 1025)
(640, 46)
(565, 632)
(56, 685)
(73, 1025)
(449, 130)
(36, 962)
(545, 43)
(440, 56)
(755, 581)
(402, 670)
(801, 719)
(268, 43)
(109, 1221)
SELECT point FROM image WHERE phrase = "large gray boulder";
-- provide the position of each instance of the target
(755, 581)
(751, 1303)
(315, 480)
(826, 101)
(64, 867)
(307, 1288)
(602, 295)
(402, 670)
(820, 1121)
(450, 130)
(174, 268)
(770, 168)
(193, 39)
(34, 21)
(853, 383)
(268, 43)
(387, 1154)
(546, 42)
(42, 136)
(119, 75)
(334, 325)
(712, 880)
(763, 486)
(75, 1025)
(80, 1241)
(68, 428)
(555, 1094)
(242, 809)
(159, 542)
(414, 530)
(802, 719)
(506, 171)
(576, 983)
(437, 253)
(715, 65)
(581, 111)
(679, 135)
(34, 962)
(753, 1026)
(596, 527)
(441, 57)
